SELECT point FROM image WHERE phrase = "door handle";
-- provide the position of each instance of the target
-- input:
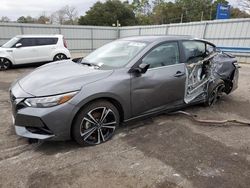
(179, 74)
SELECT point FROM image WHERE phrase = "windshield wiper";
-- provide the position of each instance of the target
(90, 64)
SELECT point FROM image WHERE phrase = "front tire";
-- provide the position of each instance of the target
(59, 57)
(96, 123)
(5, 64)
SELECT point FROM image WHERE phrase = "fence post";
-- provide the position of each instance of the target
(166, 31)
(118, 32)
(92, 39)
(60, 29)
(204, 31)
(22, 31)
(139, 31)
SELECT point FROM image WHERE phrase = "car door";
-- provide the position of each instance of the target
(45, 46)
(194, 51)
(163, 85)
(26, 53)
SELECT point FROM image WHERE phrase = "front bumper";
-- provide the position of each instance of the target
(22, 131)
(41, 123)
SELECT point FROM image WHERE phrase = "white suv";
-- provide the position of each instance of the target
(24, 49)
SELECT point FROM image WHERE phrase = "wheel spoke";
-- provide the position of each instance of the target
(88, 120)
(110, 123)
(105, 115)
(92, 118)
(88, 132)
(108, 127)
(102, 135)
(98, 137)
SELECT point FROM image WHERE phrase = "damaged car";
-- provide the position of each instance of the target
(124, 80)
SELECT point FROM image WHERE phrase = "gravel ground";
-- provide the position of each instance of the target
(168, 151)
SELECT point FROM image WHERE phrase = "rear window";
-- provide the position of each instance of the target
(46, 41)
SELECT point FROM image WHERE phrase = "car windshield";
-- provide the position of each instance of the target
(10, 43)
(115, 54)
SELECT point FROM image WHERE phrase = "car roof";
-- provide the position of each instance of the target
(155, 38)
(38, 36)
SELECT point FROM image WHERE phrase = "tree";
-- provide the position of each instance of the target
(195, 10)
(4, 19)
(142, 11)
(107, 13)
(245, 4)
(43, 19)
(58, 17)
(141, 7)
(27, 19)
(166, 12)
(237, 13)
(65, 15)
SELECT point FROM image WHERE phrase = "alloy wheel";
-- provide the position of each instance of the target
(98, 125)
(59, 57)
(4, 64)
(213, 97)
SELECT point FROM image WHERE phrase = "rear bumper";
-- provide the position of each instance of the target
(235, 79)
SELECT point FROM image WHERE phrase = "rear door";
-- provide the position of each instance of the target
(27, 52)
(163, 85)
(45, 46)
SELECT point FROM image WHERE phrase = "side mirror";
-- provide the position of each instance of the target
(18, 45)
(141, 69)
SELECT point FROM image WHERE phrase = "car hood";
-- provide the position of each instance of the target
(60, 77)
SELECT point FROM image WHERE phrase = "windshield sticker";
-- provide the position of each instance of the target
(137, 44)
(100, 64)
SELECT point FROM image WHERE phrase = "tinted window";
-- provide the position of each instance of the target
(194, 51)
(46, 41)
(26, 42)
(163, 55)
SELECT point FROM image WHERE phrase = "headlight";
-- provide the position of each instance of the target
(43, 102)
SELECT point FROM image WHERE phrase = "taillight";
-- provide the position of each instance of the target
(65, 43)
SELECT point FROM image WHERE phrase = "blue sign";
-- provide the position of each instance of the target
(223, 11)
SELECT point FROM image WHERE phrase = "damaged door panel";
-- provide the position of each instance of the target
(206, 66)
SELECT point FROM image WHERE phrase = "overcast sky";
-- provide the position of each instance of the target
(16, 8)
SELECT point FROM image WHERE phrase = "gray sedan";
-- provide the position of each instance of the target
(124, 80)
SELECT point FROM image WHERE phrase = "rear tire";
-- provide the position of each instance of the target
(5, 64)
(96, 123)
(214, 92)
(59, 57)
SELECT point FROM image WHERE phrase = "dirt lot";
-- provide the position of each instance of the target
(164, 151)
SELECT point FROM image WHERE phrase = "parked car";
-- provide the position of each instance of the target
(25, 49)
(124, 80)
